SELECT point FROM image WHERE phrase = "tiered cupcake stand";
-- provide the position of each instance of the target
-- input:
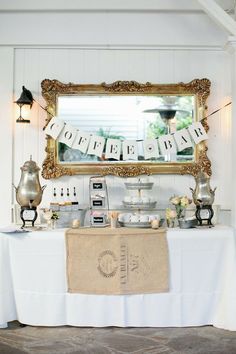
(137, 204)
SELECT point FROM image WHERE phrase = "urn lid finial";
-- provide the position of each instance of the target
(30, 166)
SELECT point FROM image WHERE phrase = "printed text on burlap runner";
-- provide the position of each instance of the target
(117, 261)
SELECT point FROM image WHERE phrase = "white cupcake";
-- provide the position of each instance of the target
(144, 218)
(134, 218)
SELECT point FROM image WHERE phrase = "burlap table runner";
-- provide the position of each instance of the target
(117, 261)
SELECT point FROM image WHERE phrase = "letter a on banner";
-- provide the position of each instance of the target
(54, 127)
(150, 148)
(182, 139)
(81, 141)
(167, 144)
(96, 145)
(130, 150)
(67, 135)
(197, 132)
(113, 149)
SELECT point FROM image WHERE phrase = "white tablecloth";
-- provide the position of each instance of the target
(33, 285)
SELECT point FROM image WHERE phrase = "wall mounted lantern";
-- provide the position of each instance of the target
(26, 99)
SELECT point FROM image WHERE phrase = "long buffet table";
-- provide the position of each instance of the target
(33, 286)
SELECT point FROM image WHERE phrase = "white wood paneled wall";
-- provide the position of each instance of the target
(32, 65)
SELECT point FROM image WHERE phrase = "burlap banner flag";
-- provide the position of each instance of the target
(117, 261)
(93, 144)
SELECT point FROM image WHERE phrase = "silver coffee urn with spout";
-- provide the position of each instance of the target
(29, 192)
(203, 197)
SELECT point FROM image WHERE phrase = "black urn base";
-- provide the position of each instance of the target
(28, 214)
(204, 215)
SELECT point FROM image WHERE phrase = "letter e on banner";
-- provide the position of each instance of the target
(130, 150)
(113, 149)
(150, 148)
(182, 139)
(96, 145)
(67, 135)
(54, 127)
(81, 141)
(167, 144)
(197, 132)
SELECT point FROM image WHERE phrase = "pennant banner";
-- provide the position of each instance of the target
(54, 127)
(130, 150)
(197, 132)
(96, 145)
(81, 141)
(92, 144)
(113, 149)
(67, 135)
(182, 139)
(150, 148)
(167, 144)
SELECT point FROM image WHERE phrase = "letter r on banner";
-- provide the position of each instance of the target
(197, 132)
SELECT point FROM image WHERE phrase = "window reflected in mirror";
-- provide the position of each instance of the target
(131, 117)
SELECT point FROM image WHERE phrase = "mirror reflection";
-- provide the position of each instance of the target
(132, 117)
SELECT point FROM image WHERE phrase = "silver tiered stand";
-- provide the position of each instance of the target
(139, 187)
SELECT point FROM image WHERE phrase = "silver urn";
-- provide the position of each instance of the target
(203, 194)
(29, 191)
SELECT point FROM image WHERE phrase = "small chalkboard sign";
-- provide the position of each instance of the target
(98, 220)
(98, 203)
(98, 186)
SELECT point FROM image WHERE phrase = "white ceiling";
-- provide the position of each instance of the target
(150, 23)
(107, 5)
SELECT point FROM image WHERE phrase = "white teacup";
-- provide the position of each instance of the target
(127, 217)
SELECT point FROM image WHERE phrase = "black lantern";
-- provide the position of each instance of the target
(26, 99)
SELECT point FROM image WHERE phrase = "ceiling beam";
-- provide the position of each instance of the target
(101, 5)
(218, 15)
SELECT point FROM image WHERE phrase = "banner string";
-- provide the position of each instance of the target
(211, 114)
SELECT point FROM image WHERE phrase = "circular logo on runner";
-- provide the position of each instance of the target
(107, 264)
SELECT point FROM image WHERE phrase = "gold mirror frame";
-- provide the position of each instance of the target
(51, 89)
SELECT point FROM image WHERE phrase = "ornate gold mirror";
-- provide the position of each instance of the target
(127, 111)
